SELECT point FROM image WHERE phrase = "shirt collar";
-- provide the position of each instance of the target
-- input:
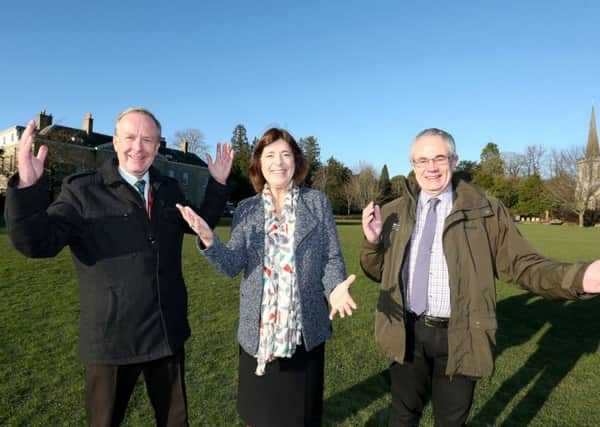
(130, 179)
(445, 196)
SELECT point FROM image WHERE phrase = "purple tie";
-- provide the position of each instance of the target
(418, 302)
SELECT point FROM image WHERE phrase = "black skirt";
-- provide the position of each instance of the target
(290, 393)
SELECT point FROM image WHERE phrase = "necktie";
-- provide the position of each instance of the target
(418, 302)
(140, 185)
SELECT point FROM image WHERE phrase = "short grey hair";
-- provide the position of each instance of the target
(139, 110)
(446, 137)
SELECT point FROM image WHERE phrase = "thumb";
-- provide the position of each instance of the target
(350, 280)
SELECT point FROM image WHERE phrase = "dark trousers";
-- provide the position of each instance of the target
(109, 387)
(422, 377)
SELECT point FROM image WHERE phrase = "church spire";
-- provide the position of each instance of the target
(592, 149)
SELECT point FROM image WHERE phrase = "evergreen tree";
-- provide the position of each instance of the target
(385, 186)
(533, 200)
(467, 169)
(312, 152)
(490, 167)
(331, 179)
(240, 169)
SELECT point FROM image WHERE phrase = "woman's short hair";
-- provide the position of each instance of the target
(269, 137)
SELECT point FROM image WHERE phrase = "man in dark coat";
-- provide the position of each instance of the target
(125, 236)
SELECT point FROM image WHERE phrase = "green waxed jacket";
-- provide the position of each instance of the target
(481, 243)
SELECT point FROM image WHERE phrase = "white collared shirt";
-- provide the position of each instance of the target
(131, 180)
(438, 299)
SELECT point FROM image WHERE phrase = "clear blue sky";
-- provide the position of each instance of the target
(363, 77)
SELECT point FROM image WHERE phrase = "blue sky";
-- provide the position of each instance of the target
(363, 77)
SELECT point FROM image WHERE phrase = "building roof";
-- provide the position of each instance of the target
(80, 137)
(74, 136)
(592, 149)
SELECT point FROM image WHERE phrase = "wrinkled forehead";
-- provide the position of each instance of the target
(137, 123)
(429, 146)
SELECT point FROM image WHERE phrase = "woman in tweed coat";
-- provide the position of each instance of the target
(285, 243)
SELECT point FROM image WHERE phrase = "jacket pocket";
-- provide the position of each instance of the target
(483, 340)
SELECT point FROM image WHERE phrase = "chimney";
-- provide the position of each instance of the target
(88, 123)
(184, 145)
(44, 120)
(163, 143)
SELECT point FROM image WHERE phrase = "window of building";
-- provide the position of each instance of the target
(185, 179)
(171, 173)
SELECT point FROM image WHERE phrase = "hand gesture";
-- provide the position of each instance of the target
(340, 299)
(197, 224)
(591, 278)
(220, 169)
(371, 222)
(30, 167)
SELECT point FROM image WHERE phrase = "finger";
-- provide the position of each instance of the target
(351, 303)
(377, 212)
(209, 159)
(332, 314)
(42, 153)
(347, 310)
(26, 141)
(219, 154)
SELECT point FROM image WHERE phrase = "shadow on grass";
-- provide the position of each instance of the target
(347, 403)
(572, 332)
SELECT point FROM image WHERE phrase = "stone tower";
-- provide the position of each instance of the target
(588, 168)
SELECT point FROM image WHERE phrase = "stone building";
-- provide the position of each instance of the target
(588, 170)
(72, 150)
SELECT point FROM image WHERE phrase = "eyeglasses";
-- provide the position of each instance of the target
(422, 162)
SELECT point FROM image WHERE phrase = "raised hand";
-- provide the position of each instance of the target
(220, 168)
(197, 223)
(591, 278)
(30, 167)
(340, 299)
(371, 222)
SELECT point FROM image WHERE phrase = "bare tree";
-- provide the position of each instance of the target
(194, 138)
(364, 185)
(534, 157)
(514, 163)
(573, 183)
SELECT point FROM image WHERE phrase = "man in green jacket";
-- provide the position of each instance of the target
(437, 250)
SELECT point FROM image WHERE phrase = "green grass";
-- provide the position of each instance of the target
(547, 371)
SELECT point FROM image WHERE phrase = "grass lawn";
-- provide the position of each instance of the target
(547, 371)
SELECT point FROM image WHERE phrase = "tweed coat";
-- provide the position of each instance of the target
(319, 264)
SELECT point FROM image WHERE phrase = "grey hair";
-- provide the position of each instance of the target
(446, 137)
(139, 110)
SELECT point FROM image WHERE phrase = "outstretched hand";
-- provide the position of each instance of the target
(197, 223)
(371, 222)
(591, 278)
(30, 167)
(340, 299)
(221, 167)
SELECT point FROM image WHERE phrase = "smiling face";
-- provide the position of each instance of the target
(432, 164)
(136, 143)
(277, 164)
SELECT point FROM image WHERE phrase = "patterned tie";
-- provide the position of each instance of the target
(418, 301)
(140, 185)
